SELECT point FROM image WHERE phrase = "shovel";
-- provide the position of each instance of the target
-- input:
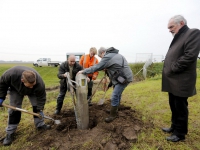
(31, 113)
(96, 88)
(102, 100)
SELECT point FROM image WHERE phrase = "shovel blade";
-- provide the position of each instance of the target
(57, 121)
(101, 101)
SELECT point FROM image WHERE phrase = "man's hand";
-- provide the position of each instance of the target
(88, 79)
(1, 102)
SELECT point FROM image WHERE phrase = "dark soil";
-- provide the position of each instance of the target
(117, 135)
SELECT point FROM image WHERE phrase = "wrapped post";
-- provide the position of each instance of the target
(81, 107)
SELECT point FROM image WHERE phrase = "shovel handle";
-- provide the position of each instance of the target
(22, 110)
(97, 87)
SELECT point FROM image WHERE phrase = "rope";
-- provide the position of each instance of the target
(71, 87)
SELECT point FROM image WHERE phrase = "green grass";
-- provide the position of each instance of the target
(153, 104)
(49, 74)
(144, 97)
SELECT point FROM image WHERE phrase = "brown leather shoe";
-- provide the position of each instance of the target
(168, 130)
(175, 138)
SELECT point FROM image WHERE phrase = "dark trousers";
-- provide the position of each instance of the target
(90, 86)
(61, 96)
(179, 118)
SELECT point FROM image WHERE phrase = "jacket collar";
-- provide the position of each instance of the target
(180, 32)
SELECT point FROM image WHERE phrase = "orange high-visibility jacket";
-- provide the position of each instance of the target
(86, 61)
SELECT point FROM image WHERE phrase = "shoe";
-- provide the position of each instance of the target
(168, 130)
(175, 138)
(44, 127)
(107, 111)
(8, 139)
(57, 112)
(113, 114)
(90, 104)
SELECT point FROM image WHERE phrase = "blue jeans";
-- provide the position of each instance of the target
(117, 92)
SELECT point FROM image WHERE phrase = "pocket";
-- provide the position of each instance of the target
(120, 77)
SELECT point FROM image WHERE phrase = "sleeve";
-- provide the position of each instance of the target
(100, 66)
(4, 85)
(40, 94)
(191, 50)
(61, 71)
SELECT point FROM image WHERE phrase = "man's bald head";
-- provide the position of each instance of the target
(71, 60)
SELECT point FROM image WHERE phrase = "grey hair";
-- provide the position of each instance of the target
(101, 50)
(178, 18)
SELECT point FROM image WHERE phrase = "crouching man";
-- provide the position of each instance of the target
(21, 81)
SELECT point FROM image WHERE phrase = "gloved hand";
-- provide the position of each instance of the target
(1, 102)
(65, 75)
(40, 112)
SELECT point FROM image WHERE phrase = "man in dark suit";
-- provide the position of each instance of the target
(179, 74)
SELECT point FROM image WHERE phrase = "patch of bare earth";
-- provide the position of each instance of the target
(117, 135)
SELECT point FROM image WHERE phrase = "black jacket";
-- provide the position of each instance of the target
(12, 78)
(64, 67)
(179, 70)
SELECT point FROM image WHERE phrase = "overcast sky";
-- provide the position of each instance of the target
(31, 29)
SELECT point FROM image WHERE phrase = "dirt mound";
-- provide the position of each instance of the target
(118, 134)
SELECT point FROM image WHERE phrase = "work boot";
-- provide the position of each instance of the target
(8, 139)
(113, 114)
(57, 112)
(44, 127)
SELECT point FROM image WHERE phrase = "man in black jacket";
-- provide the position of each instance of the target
(72, 67)
(21, 81)
(179, 74)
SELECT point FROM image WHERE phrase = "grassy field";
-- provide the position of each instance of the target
(145, 97)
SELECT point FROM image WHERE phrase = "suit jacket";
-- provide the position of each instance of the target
(179, 70)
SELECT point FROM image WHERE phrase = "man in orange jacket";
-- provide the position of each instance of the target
(87, 61)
